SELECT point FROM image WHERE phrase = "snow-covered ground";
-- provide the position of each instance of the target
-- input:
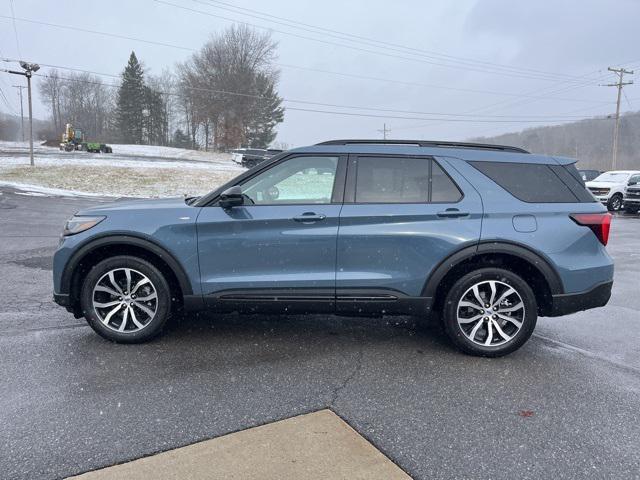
(131, 170)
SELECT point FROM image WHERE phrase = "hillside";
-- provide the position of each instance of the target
(590, 141)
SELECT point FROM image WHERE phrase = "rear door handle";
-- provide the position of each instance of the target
(310, 217)
(452, 213)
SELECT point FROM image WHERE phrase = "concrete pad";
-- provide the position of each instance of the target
(317, 445)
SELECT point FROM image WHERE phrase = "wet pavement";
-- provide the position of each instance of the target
(566, 405)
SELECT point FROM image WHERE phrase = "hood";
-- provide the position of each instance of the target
(133, 205)
(593, 184)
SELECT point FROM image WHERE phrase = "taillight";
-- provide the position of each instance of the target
(599, 223)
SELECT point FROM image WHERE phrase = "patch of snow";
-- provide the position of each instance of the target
(37, 190)
(134, 156)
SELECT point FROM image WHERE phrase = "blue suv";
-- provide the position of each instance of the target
(484, 238)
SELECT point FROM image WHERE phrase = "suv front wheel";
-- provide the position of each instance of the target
(126, 299)
(489, 312)
(615, 203)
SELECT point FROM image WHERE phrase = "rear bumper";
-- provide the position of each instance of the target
(566, 303)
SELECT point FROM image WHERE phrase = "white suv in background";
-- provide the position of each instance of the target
(609, 187)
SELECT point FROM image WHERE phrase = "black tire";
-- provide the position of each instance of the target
(631, 209)
(455, 331)
(162, 304)
(615, 203)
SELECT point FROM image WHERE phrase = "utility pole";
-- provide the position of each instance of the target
(29, 70)
(384, 131)
(20, 87)
(616, 129)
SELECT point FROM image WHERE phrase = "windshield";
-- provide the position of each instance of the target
(613, 177)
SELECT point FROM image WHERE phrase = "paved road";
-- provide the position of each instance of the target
(564, 406)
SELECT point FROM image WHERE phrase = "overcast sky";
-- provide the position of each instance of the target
(553, 49)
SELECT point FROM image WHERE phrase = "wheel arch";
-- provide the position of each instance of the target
(98, 249)
(534, 269)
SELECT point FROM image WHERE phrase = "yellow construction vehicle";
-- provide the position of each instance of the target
(73, 139)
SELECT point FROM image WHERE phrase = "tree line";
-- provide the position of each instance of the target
(224, 96)
(589, 141)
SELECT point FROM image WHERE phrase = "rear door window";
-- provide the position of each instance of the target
(403, 180)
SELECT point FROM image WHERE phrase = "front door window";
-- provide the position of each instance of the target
(299, 180)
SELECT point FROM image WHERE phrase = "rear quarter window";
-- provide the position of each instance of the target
(536, 183)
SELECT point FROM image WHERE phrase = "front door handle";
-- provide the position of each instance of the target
(310, 217)
(452, 213)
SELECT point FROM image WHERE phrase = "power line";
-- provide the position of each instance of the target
(181, 47)
(15, 30)
(321, 104)
(351, 114)
(509, 103)
(620, 72)
(371, 42)
(6, 101)
(327, 42)
(427, 85)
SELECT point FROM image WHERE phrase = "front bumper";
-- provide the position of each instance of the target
(62, 299)
(566, 303)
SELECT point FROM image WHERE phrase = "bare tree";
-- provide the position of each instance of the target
(81, 99)
(51, 90)
(225, 82)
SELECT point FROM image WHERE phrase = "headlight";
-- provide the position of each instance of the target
(80, 224)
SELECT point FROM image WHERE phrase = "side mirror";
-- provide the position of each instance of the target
(231, 197)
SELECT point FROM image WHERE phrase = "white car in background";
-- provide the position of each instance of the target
(609, 187)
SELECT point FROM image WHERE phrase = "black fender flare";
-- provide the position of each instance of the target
(111, 240)
(500, 247)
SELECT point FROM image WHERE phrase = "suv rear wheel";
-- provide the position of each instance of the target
(126, 299)
(489, 312)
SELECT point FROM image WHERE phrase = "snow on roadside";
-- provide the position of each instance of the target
(116, 181)
(38, 190)
(127, 175)
(108, 161)
(169, 152)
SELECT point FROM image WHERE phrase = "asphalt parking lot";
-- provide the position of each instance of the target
(564, 406)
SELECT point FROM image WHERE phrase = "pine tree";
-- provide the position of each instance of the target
(155, 118)
(266, 113)
(131, 103)
(181, 139)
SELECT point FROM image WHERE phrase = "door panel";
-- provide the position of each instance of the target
(282, 242)
(394, 246)
(254, 247)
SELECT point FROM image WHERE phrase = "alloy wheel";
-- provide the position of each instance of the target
(125, 300)
(616, 203)
(490, 313)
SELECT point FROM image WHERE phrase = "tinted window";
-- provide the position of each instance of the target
(571, 178)
(529, 182)
(297, 180)
(403, 180)
(634, 180)
(442, 187)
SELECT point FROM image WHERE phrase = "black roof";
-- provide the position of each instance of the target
(426, 143)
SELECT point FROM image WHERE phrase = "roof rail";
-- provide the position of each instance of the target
(426, 143)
